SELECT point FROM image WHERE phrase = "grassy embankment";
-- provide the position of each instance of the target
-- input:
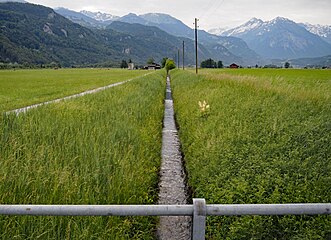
(22, 88)
(102, 148)
(265, 139)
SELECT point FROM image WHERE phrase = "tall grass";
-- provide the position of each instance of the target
(22, 88)
(298, 83)
(99, 149)
(262, 140)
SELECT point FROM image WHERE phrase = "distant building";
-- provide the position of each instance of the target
(233, 65)
(131, 66)
(152, 66)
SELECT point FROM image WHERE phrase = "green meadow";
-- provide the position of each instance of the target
(102, 148)
(257, 136)
(20, 88)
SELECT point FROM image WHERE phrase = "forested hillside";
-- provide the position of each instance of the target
(36, 34)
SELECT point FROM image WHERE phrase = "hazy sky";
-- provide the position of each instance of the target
(212, 13)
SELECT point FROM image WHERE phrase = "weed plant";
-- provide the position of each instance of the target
(102, 148)
(265, 139)
(20, 88)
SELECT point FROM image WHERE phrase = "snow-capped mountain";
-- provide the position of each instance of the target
(252, 24)
(228, 49)
(99, 16)
(79, 18)
(324, 31)
(280, 38)
(217, 31)
(163, 21)
(86, 18)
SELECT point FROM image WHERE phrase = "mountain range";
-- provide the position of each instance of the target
(87, 19)
(99, 16)
(37, 34)
(323, 31)
(227, 49)
(253, 42)
(34, 33)
(283, 38)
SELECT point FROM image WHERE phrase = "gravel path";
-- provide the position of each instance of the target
(173, 189)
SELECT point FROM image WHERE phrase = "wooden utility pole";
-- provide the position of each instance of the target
(183, 53)
(178, 58)
(196, 45)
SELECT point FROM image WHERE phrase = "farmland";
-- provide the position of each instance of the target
(98, 149)
(265, 138)
(257, 136)
(26, 87)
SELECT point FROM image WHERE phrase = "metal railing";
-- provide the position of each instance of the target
(198, 210)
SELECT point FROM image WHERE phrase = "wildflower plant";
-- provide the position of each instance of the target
(204, 108)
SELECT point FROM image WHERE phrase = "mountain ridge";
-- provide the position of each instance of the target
(79, 18)
(324, 31)
(99, 16)
(98, 37)
(36, 34)
(280, 38)
(177, 28)
(224, 48)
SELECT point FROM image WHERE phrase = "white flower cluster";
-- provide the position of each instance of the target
(204, 106)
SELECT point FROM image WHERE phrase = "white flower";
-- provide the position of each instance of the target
(204, 106)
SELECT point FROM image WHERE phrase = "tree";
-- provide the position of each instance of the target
(150, 61)
(209, 63)
(287, 65)
(219, 64)
(124, 64)
(163, 62)
(170, 64)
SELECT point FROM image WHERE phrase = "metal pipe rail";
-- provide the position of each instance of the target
(97, 210)
(198, 210)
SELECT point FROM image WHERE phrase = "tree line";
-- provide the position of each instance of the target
(210, 63)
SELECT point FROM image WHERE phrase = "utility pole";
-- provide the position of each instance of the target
(178, 58)
(196, 45)
(183, 53)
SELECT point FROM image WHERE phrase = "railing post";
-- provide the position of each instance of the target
(199, 219)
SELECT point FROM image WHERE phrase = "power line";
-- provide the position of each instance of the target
(213, 7)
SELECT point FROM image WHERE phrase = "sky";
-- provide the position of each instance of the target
(211, 13)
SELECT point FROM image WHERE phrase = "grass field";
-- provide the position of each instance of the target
(265, 138)
(102, 148)
(21, 88)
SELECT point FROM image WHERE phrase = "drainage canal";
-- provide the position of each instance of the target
(173, 189)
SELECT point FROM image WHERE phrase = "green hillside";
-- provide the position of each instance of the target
(158, 43)
(35, 34)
